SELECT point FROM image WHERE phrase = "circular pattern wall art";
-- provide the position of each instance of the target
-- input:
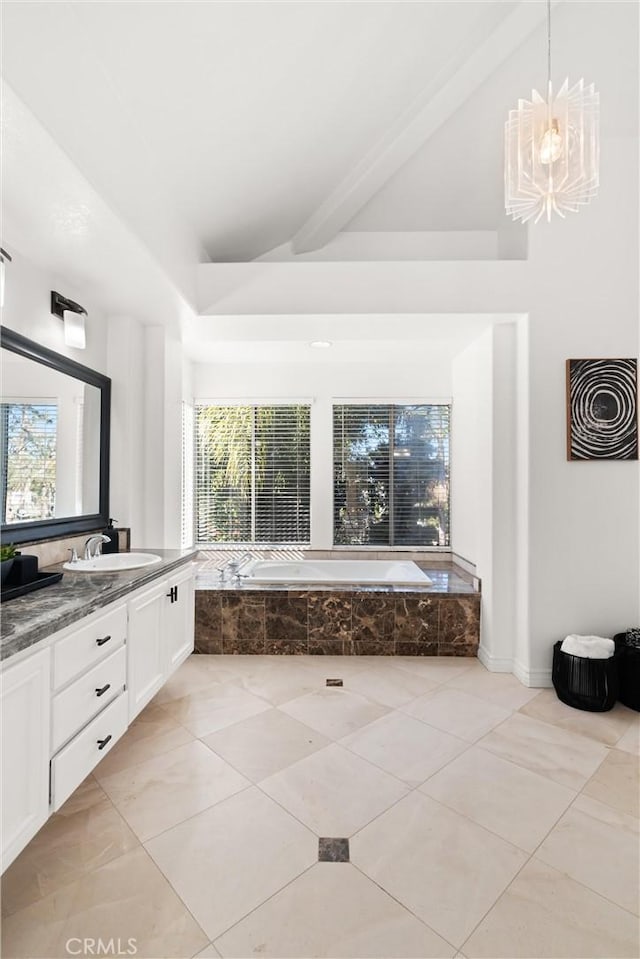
(602, 409)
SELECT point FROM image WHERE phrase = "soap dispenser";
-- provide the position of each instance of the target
(113, 545)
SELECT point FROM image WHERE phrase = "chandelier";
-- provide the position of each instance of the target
(552, 152)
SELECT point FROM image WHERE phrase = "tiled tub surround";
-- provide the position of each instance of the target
(366, 621)
(29, 619)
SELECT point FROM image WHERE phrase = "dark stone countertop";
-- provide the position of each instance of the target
(28, 619)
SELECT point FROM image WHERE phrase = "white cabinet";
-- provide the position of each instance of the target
(161, 636)
(25, 706)
(64, 706)
(146, 659)
(179, 621)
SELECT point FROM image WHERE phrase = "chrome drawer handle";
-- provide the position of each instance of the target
(99, 692)
(101, 642)
(103, 742)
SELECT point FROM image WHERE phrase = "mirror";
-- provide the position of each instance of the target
(54, 443)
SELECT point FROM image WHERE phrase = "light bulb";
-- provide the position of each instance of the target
(551, 144)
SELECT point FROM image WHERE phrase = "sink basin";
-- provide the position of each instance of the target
(113, 562)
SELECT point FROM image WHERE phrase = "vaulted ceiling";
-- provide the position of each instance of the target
(225, 129)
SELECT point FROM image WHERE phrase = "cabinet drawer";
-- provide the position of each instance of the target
(88, 645)
(84, 698)
(82, 754)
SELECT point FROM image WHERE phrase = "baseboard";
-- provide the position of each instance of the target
(534, 678)
(495, 664)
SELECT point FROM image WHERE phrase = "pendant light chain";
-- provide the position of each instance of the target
(549, 44)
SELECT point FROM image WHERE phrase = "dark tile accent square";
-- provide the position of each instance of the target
(334, 682)
(416, 618)
(327, 647)
(242, 618)
(333, 850)
(208, 622)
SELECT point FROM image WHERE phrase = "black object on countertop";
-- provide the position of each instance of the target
(11, 591)
(113, 546)
(24, 570)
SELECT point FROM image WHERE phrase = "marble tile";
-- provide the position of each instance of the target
(326, 647)
(333, 791)
(617, 782)
(283, 680)
(208, 621)
(127, 898)
(630, 742)
(468, 650)
(565, 757)
(214, 708)
(416, 618)
(457, 713)
(500, 688)
(264, 744)
(514, 803)
(286, 619)
(372, 647)
(243, 647)
(195, 674)
(445, 869)
(404, 747)
(335, 712)
(151, 734)
(390, 687)
(329, 617)
(84, 834)
(338, 913)
(606, 728)
(165, 790)
(439, 669)
(286, 647)
(372, 618)
(410, 648)
(243, 617)
(599, 847)
(546, 914)
(209, 952)
(459, 621)
(230, 858)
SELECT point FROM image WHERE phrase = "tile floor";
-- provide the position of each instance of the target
(482, 819)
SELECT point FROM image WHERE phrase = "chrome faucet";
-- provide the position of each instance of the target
(93, 545)
(232, 568)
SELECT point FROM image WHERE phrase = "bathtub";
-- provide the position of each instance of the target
(351, 571)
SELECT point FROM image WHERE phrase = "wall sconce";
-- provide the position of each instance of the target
(4, 257)
(72, 314)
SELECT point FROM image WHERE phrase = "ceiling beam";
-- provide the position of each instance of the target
(476, 59)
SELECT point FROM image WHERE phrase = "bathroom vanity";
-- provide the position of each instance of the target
(80, 660)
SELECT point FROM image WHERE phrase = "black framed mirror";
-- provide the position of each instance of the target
(54, 443)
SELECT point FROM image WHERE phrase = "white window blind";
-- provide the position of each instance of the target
(187, 531)
(28, 468)
(252, 474)
(391, 474)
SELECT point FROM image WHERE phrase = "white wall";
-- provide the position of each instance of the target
(27, 310)
(425, 374)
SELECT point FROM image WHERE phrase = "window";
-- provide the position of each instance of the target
(252, 474)
(391, 475)
(28, 468)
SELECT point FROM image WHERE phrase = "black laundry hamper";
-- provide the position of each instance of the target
(589, 684)
(628, 649)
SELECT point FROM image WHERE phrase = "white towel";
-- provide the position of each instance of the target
(589, 647)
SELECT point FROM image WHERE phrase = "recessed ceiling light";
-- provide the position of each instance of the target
(321, 344)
